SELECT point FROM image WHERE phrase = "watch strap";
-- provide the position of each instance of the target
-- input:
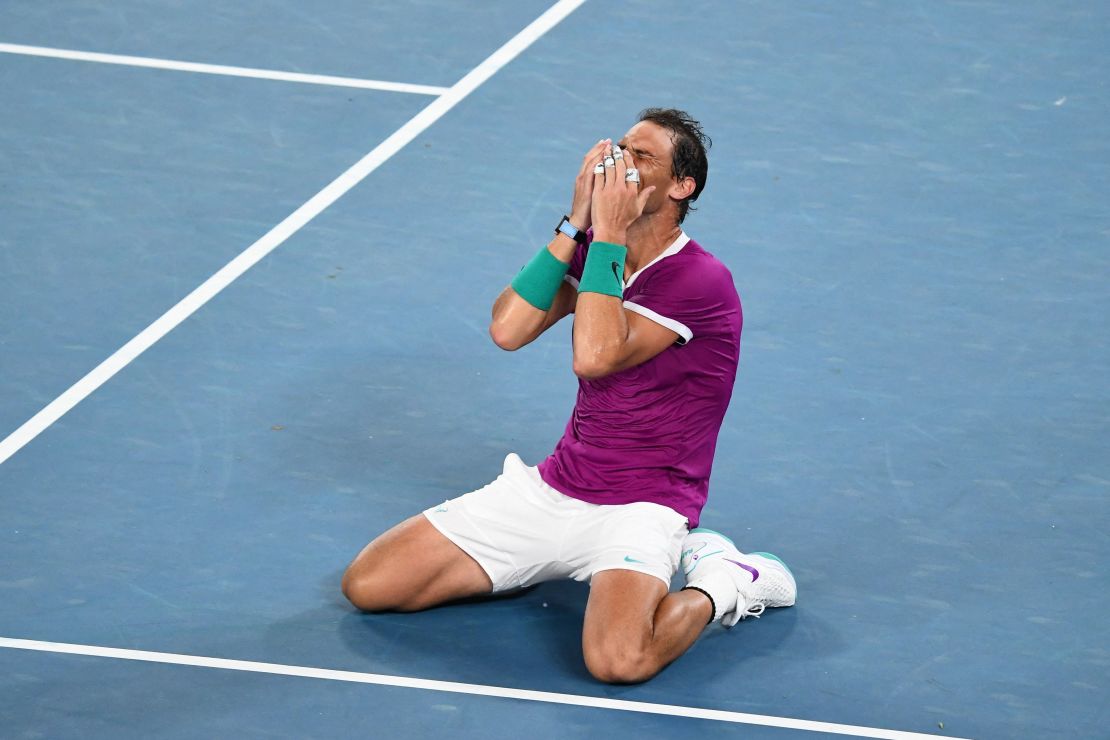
(566, 227)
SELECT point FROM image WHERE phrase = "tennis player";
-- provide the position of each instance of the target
(656, 342)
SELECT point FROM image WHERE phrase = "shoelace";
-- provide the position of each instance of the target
(753, 610)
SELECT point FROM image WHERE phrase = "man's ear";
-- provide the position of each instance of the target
(683, 189)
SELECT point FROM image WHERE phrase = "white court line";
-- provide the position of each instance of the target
(277, 235)
(671, 710)
(219, 69)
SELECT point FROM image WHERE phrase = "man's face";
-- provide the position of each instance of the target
(652, 149)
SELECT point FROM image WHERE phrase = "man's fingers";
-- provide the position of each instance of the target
(621, 164)
(642, 198)
(610, 164)
(593, 155)
(629, 160)
(599, 172)
(630, 164)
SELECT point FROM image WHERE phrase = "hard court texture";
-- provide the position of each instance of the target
(912, 198)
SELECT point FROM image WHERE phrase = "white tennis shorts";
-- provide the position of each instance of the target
(522, 531)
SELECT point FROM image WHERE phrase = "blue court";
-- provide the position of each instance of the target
(912, 198)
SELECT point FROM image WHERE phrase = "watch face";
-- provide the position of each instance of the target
(566, 227)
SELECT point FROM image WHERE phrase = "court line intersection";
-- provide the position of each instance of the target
(276, 236)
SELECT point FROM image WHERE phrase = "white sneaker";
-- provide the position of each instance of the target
(761, 580)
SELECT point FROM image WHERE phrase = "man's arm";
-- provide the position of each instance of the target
(608, 338)
(516, 322)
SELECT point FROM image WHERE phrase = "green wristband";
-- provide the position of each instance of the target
(604, 270)
(539, 280)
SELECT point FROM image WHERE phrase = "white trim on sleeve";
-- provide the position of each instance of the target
(572, 280)
(678, 328)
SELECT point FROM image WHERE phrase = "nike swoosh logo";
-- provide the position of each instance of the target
(750, 569)
(632, 560)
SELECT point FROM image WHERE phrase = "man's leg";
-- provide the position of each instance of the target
(412, 567)
(634, 628)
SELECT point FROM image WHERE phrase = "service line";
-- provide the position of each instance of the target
(219, 69)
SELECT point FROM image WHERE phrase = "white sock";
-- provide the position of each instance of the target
(720, 587)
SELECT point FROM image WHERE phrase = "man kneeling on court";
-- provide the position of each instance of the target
(656, 342)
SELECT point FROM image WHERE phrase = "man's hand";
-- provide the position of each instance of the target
(584, 185)
(616, 202)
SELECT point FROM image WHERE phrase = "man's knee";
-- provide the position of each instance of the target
(367, 590)
(412, 567)
(375, 583)
(619, 661)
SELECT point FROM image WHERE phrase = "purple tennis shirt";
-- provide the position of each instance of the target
(648, 433)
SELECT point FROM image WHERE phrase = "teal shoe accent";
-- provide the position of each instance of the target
(713, 531)
(777, 559)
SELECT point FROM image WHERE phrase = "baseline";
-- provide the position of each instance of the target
(219, 69)
(276, 236)
(454, 687)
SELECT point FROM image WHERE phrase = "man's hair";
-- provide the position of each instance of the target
(690, 144)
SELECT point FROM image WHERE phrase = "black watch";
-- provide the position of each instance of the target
(566, 227)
